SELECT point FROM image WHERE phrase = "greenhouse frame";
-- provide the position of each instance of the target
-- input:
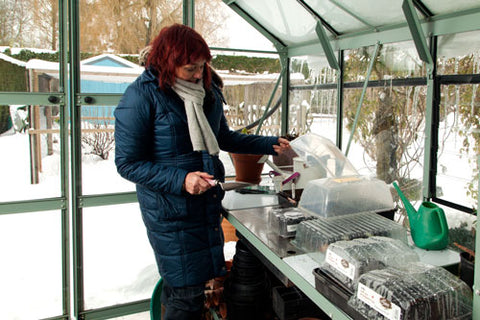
(394, 84)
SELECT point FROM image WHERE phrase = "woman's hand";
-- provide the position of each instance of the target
(283, 146)
(196, 182)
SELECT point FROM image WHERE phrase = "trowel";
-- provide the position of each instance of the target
(227, 186)
(428, 225)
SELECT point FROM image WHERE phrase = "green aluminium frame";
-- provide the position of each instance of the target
(71, 201)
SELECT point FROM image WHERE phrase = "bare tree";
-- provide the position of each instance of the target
(389, 124)
(210, 20)
(98, 139)
(128, 26)
(105, 25)
(15, 19)
(45, 20)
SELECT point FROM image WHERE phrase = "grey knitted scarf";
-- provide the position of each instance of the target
(200, 131)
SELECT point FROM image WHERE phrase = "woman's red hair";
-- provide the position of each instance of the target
(175, 46)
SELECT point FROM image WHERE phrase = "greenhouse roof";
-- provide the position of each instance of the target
(301, 27)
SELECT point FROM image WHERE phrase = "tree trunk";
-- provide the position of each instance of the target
(385, 133)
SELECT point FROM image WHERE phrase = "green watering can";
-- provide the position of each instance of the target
(428, 225)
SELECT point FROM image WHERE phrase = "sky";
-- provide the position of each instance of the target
(243, 35)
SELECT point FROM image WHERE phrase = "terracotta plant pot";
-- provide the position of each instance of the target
(247, 168)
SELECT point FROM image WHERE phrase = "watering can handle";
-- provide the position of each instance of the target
(443, 221)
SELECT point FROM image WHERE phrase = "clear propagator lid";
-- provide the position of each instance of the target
(320, 152)
(332, 197)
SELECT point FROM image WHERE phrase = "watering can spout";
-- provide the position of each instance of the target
(408, 206)
(428, 226)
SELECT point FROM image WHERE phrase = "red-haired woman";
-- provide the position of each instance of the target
(169, 129)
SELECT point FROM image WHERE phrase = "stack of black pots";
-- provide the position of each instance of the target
(247, 287)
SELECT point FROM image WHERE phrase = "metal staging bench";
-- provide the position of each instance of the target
(249, 215)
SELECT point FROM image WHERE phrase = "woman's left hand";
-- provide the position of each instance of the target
(282, 146)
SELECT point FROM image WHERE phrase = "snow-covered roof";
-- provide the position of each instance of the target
(119, 60)
(38, 64)
(12, 60)
(119, 70)
(135, 70)
(129, 69)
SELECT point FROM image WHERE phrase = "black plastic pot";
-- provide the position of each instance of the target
(467, 263)
(246, 277)
(247, 301)
(247, 287)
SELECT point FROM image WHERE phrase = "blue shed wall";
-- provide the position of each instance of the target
(101, 87)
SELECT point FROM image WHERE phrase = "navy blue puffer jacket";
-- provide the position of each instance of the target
(153, 150)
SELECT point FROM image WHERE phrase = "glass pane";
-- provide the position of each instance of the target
(377, 13)
(448, 6)
(459, 144)
(280, 21)
(394, 61)
(337, 15)
(389, 135)
(31, 268)
(247, 103)
(30, 34)
(222, 27)
(30, 162)
(135, 26)
(13, 75)
(112, 26)
(119, 265)
(461, 228)
(313, 98)
(99, 173)
(315, 70)
(210, 18)
(399, 60)
(108, 73)
(249, 82)
(459, 53)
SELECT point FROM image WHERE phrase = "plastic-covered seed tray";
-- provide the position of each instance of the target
(315, 235)
(348, 260)
(284, 221)
(417, 291)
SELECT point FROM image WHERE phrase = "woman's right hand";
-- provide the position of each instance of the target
(197, 182)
